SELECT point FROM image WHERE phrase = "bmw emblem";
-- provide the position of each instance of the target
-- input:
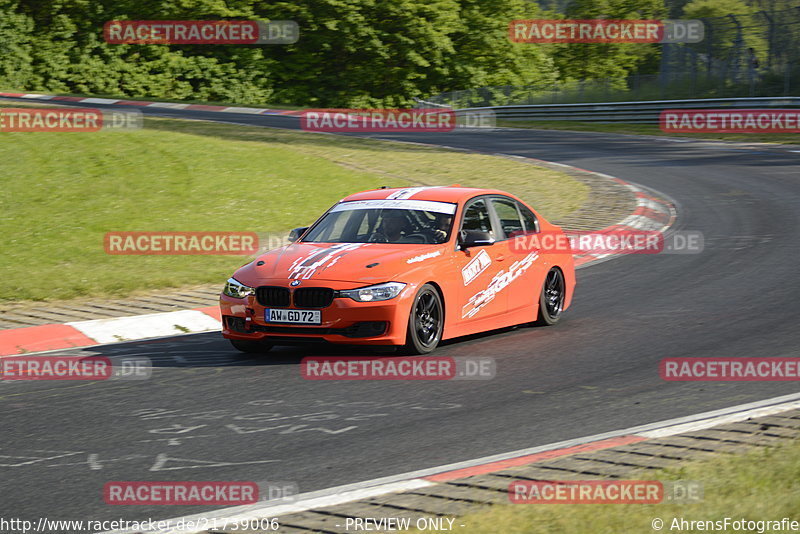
(294, 283)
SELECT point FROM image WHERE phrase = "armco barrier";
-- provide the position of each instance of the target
(627, 112)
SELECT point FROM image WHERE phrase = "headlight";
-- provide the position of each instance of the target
(233, 288)
(386, 291)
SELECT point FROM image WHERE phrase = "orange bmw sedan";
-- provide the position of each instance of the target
(405, 267)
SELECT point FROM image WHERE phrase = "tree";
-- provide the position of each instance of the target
(616, 60)
(351, 53)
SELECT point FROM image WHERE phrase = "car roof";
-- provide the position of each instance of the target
(449, 193)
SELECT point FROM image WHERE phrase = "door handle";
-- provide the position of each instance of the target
(500, 258)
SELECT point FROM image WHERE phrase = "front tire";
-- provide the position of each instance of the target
(551, 298)
(425, 322)
(251, 347)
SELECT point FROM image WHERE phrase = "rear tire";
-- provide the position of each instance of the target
(251, 347)
(425, 322)
(551, 298)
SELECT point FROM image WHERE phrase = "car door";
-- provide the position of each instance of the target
(478, 268)
(521, 278)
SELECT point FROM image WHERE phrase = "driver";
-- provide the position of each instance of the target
(442, 227)
(393, 227)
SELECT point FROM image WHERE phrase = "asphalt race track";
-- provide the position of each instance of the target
(210, 414)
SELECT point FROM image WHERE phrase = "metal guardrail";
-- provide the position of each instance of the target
(627, 112)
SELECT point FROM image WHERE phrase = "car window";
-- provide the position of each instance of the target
(387, 222)
(476, 217)
(510, 221)
(367, 226)
(529, 219)
(335, 226)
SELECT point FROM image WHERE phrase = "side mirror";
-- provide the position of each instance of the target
(295, 233)
(474, 238)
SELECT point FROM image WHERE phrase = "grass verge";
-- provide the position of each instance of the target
(647, 129)
(61, 192)
(758, 486)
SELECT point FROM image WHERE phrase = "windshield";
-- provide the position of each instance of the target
(385, 221)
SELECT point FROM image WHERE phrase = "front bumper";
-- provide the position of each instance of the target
(344, 321)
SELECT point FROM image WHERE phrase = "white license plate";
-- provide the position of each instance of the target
(272, 315)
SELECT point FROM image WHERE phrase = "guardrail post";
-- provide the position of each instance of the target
(709, 37)
(738, 44)
(770, 36)
(787, 86)
(666, 53)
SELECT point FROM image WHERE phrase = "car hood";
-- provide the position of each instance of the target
(346, 262)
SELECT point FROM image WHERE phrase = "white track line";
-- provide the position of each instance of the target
(413, 479)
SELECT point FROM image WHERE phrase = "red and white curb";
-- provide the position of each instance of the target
(429, 477)
(652, 213)
(115, 330)
(146, 104)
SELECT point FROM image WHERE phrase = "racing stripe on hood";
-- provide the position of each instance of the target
(319, 260)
